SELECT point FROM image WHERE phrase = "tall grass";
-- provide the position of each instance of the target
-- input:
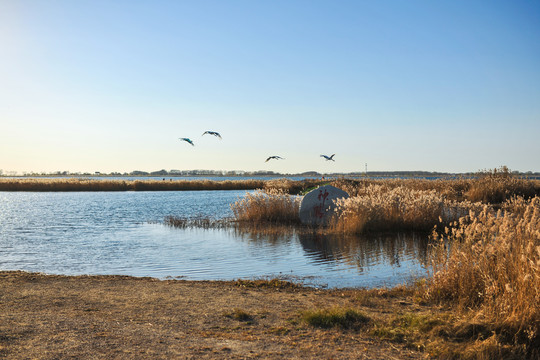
(490, 262)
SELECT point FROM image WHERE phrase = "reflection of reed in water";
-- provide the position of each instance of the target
(366, 250)
(266, 235)
(361, 252)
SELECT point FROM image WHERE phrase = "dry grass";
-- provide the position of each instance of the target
(488, 266)
(81, 184)
(119, 317)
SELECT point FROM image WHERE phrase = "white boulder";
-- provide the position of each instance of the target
(318, 205)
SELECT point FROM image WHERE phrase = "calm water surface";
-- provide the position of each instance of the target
(76, 233)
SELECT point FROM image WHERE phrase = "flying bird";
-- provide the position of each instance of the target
(329, 157)
(188, 141)
(216, 134)
(274, 157)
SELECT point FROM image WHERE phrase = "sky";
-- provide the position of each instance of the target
(111, 86)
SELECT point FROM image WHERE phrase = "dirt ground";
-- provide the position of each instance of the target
(119, 317)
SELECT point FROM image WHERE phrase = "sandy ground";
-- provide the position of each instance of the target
(119, 317)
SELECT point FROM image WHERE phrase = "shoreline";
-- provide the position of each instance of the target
(114, 316)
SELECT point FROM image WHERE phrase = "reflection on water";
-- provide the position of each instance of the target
(121, 233)
(364, 252)
(370, 260)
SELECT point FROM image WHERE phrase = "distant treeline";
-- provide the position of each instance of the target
(241, 173)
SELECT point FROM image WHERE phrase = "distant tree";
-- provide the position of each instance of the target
(162, 172)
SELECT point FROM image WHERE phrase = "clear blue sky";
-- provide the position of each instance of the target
(450, 86)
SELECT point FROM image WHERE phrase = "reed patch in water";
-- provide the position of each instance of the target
(272, 206)
(197, 222)
(376, 208)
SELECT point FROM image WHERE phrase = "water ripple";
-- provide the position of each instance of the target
(120, 233)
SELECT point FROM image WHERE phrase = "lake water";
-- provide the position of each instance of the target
(77, 233)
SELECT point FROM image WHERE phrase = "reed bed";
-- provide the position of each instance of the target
(376, 208)
(488, 187)
(451, 189)
(497, 187)
(81, 184)
(488, 266)
(396, 209)
(390, 204)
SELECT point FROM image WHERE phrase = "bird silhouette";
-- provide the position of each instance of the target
(329, 157)
(188, 141)
(273, 157)
(216, 134)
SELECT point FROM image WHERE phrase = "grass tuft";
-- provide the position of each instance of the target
(335, 317)
(239, 315)
(268, 284)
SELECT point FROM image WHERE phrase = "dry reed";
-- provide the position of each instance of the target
(498, 185)
(197, 222)
(490, 187)
(379, 208)
(292, 187)
(271, 207)
(374, 208)
(490, 263)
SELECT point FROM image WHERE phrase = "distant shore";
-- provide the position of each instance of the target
(82, 184)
